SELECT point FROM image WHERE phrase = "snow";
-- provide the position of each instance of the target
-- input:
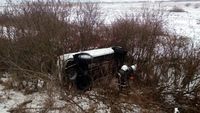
(4, 1)
(185, 23)
(9, 99)
(182, 23)
(51, 101)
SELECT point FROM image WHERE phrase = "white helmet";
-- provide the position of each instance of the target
(124, 67)
(134, 67)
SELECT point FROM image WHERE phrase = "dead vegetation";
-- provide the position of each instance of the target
(33, 34)
(176, 9)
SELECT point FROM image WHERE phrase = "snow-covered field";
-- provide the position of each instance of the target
(182, 23)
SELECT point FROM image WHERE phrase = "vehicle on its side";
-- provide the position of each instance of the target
(80, 68)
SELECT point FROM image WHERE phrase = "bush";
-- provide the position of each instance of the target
(198, 21)
(164, 61)
(188, 4)
(37, 30)
(196, 5)
(176, 9)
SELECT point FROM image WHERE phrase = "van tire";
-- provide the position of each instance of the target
(72, 73)
(83, 82)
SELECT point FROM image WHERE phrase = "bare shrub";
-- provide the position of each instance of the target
(88, 24)
(163, 59)
(198, 21)
(176, 9)
(4, 54)
(188, 4)
(37, 32)
(140, 35)
(196, 5)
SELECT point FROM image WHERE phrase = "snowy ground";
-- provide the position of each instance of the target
(15, 101)
(11, 100)
(182, 23)
(51, 101)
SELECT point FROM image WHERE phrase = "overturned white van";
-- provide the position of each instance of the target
(83, 67)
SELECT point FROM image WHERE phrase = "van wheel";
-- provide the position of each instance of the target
(71, 73)
(83, 82)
